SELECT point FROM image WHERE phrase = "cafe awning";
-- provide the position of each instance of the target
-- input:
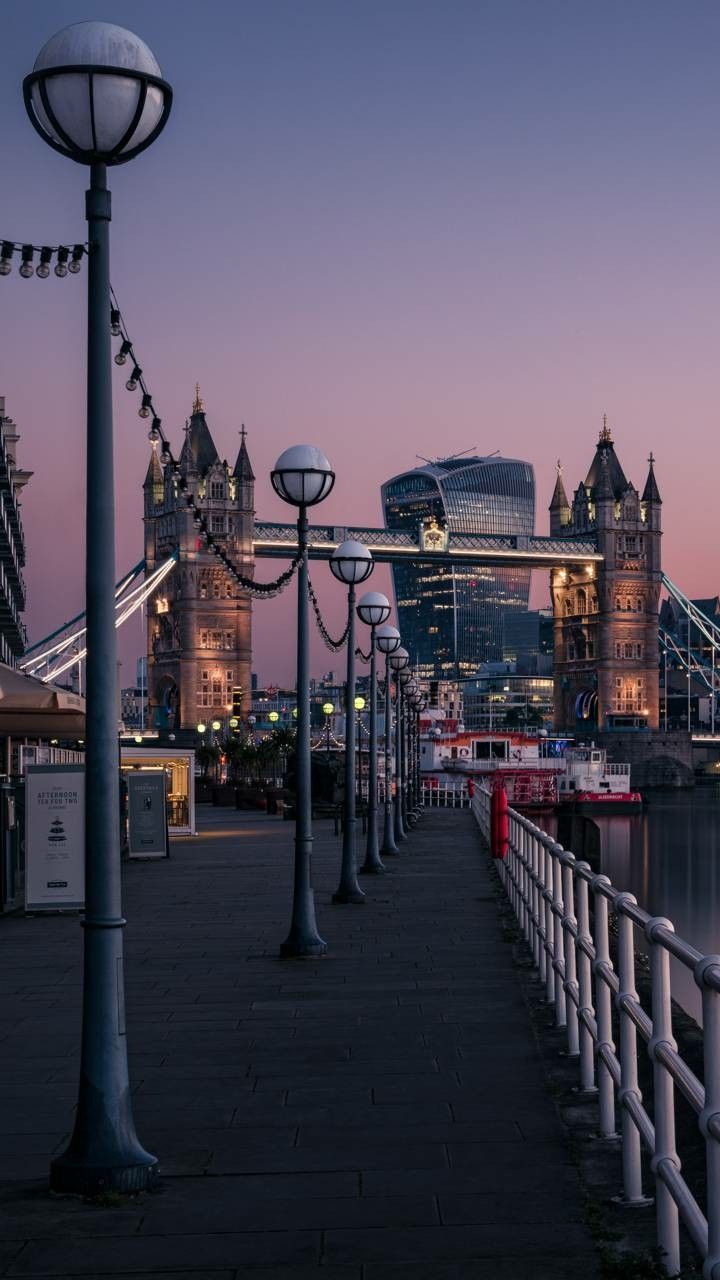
(32, 709)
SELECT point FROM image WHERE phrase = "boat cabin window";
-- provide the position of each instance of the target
(488, 750)
(595, 755)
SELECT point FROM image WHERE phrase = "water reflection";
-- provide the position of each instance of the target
(669, 858)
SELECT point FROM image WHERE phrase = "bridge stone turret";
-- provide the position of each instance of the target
(606, 615)
(199, 641)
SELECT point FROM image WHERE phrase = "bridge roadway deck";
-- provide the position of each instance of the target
(378, 1115)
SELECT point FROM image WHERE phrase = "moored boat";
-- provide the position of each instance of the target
(592, 784)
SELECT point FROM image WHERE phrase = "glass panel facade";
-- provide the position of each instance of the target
(451, 619)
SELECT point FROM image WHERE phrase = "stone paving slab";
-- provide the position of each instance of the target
(380, 1114)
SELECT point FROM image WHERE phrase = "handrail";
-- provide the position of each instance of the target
(550, 892)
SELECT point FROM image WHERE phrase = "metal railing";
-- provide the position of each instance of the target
(444, 796)
(552, 893)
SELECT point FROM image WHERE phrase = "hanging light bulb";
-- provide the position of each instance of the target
(114, 322)
(77, 253)
(27, 269)
(125, 348)
(63, 254)
(44, 265)
(6, 253)
(134, 378)
(144, 410)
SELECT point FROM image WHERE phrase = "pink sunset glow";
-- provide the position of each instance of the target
(387, 230)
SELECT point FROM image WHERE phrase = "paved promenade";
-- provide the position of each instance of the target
(377, 1115)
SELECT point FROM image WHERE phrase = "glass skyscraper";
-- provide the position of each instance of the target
(451, 619)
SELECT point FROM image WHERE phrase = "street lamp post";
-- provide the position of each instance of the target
(398, 661)
(387, 639)
(303, 477)
(359, 708)
(410, 693)
(96, 95)
(404, 678)
(328, 709)
(350, 563)
(373, 609)
(416, 706)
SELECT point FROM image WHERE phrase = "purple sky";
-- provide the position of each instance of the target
(385, 228)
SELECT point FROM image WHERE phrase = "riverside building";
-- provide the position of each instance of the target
(452, 618)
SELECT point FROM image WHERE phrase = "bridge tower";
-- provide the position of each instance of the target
(606, 616)
(199, 638)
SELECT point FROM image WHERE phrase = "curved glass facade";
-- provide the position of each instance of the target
(451, 619)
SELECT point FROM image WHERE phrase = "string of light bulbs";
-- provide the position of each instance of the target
(137, 380)
(68, 258)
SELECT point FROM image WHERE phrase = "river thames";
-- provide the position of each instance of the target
(669, 857)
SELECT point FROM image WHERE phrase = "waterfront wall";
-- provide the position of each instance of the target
(656, 759)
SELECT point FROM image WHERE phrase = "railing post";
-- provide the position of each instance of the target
(631, 1147)
(569, 929)
(541, 905)
(586, 1010)
(511, 860)
(549, 881)
(603, 1004)
(556, 851)
(668, 1233)
(536, 901)
(709, 1119)
(526, 882)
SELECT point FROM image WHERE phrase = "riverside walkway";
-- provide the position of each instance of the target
(377, 1115)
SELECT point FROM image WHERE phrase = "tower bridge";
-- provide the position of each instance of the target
(431, 544)
(603, 556)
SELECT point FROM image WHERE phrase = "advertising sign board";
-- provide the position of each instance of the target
(54, 837)
(147, 814)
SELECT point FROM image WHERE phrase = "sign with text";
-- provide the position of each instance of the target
(147, 814)
(54, 837)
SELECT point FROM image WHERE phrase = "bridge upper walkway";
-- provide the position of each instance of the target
(389, 545)
(377, 1115)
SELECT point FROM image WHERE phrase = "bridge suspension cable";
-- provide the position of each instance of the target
(54, 656)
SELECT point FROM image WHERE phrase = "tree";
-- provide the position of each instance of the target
(208, 755)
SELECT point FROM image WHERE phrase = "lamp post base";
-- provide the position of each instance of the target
(374, 868)
(71, 1176)
(349, 897)
(302, 947)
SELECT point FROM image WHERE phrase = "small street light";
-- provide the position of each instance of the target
(373, 608)
(96, 95)
(328, 710)
(350, 563)
(303, 477)
(399, 661)
(387, 639)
